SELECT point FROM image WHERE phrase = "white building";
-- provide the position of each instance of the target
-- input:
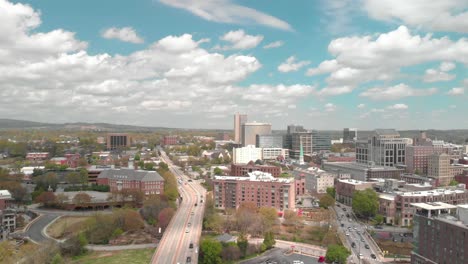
(246, 154)
(274, 153)
(316, 180)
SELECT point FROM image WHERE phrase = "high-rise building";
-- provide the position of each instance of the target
(298, 139)
(117, 141)
(349, 135)
(251, 130)
(384, 148)
(287, 142)
(439, 168)
(439, 235)
(269, 141)
(320, 141)
(239, 120)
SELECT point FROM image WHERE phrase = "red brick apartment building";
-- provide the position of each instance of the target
(260, 188)
(169, 140)
(148, 182)
(244, 169)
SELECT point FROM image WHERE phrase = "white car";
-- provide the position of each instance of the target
(186, 230)
(347, 233)
(360, 255)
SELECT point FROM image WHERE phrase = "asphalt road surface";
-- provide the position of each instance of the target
(277, 256)
(185, 226)
(34, 231)
(356, 232)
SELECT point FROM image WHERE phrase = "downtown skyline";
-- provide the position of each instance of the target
(193, 64)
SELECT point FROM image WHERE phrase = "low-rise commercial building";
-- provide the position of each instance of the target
(345, 189)
(362, 172)
(316, 180)
(148, 182)
(259, 188)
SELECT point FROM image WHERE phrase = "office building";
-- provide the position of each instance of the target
(117, 141)
(321, 141)
(362, 172)
(440, 234)
(384, 148)
(439, 168)
(269, 141)
(298, 139)
(345, 189)
(244, 169)
(349, 135)
(239, 120)
(287, 143)
(246, 154)
(251, 130)
(259, 188)
(274, 153)
(148, 182)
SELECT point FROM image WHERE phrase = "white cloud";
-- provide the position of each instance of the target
(437, 75)
(292, 65)
(224, 11)
(396, 92)
(125, 34)
(446, 15)
(363, 59)
(329, 107)
(240, 40)
(273, 45)
(456, 91)
(361, 106)
(398, 107)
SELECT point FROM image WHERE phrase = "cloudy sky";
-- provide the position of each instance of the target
(194, 63)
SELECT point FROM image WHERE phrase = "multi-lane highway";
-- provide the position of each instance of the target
(180, 242)
(357, 236)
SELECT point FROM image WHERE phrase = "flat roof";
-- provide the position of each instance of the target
(256, 176)
(434, 192)
(434, 206)
(353, 181)
(359, 166)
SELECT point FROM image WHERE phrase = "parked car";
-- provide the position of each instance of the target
(321, 259)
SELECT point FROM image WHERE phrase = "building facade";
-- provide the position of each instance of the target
(439, 234)
(251, 130)
(117, 141)
(439, 168)
(321, 141)
(245, 169)
(384, 148)
(316, 180)
(170, 140)
(345, 189)
(362, 172)
(148, 182)
(259, 188)
(239, 120)
(246, 154)
(269, 141)
(349, 135)
(298, 139)
(274, 153)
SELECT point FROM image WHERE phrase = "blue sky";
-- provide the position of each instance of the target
(194, 63)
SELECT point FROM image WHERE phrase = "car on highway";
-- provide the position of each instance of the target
(353, 245)
(191, 245)
(347, 234)
(344, 209)
(360, 255)
(373, 256)
(367, 246)
(189, 259)
(187, 230)
(321, 259)
(362, 239)
(189, 224)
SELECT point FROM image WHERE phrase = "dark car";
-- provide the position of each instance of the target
(342, 225)
(373, 256)
(347, 215)
(191, 245)
(338, 205)
(367, 246)
(378, 227)
(353, 244)
(344, 209)
(189, 259)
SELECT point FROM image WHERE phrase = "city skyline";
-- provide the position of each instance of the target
(193, 64)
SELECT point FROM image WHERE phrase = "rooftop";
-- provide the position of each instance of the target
(5, 194)
(131, 175)
(256, 176)
(386, 132)
(434, 206)
(358, 166)
(354, 182)
(434, 192)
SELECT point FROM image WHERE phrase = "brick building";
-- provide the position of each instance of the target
(345, 189)
(244, 169)
(169, 140)
(148, 182)
(5, 199)
(439, 234)
(316, 180)
(260, 188)
(37, 156)
(117, 141)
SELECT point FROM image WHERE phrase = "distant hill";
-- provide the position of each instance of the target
(22, 124)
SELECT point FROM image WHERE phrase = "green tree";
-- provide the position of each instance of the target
(337, 253)
(453, 183)
(365, 203)
(83, 176)
(378, 219)
(73, 178)
(218, 171)
(331, 191)
(269, 240)
(242, 243)
(326, 201)
(268, 217)
(210, 252)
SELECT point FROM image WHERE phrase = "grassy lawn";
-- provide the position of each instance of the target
(65, 226)
(135, 256)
